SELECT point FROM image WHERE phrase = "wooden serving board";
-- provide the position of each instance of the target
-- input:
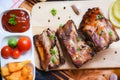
(42, 19)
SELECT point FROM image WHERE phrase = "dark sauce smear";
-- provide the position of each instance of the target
(21, 21)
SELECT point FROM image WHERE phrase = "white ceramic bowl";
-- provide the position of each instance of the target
(5, 35)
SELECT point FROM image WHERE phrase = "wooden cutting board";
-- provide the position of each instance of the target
(42, 19)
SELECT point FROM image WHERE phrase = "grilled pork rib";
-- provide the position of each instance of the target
(98, 30)
(78, 50)
(48, 49)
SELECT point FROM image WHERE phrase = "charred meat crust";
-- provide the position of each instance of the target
(37, 47)
(49, 50)
(95, 33)
(76, 48)
(99, 31)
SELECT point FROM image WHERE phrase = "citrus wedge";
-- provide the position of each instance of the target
(116, 9)
(112, 18)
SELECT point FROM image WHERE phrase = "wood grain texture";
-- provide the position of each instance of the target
(76, 74)
(41, 14)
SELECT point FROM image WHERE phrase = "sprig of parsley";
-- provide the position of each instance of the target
(52, 37)
(53, 59)
(78, 38)
(99, 16)
(54, 12)
(61, 25)
(110, 33)
(52, 51)
(78, 49)
(12, 20)
(100, 32)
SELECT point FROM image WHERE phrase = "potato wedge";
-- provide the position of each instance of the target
(17, 71)
(14, 76)
(26, 71)
(5, 71)
(28, 77)
(16, 66)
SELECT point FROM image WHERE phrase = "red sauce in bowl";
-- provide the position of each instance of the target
(20, 18)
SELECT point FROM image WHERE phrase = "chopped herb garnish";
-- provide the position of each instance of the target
(53, 12)
(99, 16)
(52, 51)
(61, 25)
(12, 20)
(100, 32)
(52, 37)
(79, 39)
(53, 59)
(110, 33)
(78, 49)
(13, 15)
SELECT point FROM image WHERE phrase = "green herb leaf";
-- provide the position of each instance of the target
(100, 32)
(110, 33)
(13, 15)
(61, 25)
(53, 59)
(52, 51)
(12, 20)
(99, 16)
(79, 39)
(78, 49)
(53, 12)
(52, 37)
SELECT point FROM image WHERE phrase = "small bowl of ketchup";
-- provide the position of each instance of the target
(16, 20)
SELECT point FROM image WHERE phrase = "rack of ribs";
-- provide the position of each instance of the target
(48, 49)
(73, 43)
(98, 31)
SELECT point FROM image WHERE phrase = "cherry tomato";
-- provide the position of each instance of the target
(16, 54)
(12, 42)
(24, 44)
(6, 52)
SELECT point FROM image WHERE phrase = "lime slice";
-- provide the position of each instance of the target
(112, 18)
(116, 9)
